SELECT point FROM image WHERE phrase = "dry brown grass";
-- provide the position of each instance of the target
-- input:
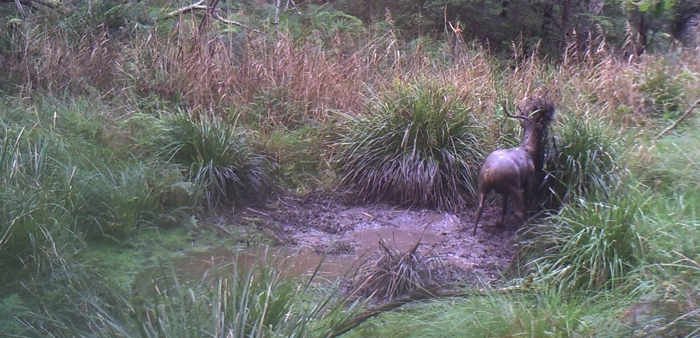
(282, 81)
(394, 274)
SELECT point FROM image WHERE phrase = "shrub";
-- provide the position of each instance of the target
(216, 154)
(417, 145)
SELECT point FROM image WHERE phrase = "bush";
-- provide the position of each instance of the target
(417, 145)
(216, 155)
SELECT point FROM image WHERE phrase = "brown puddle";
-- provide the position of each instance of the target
(401, 239)
(292, 262)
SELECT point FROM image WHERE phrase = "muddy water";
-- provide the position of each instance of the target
(193, 266)
(352, 234)
(401, 239)
(295, 262)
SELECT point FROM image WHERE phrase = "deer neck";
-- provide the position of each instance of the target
(533, 144)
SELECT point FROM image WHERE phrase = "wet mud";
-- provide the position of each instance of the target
(321, 226)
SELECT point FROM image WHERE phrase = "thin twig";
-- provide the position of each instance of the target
(681, 118)
(224, 230)
(257, 212)
(20, 9)
(231, 22)
(198, 5)
(201, 5)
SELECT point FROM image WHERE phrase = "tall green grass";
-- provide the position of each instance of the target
(233, 302)
(583, 157)
(31, 219)
(592, 243)
(669, 275)
(530, 313)
(64, 186)
(416, 145)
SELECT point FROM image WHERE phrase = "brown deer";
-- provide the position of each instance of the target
(508, 171)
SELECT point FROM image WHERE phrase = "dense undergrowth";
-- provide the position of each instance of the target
(107, 135)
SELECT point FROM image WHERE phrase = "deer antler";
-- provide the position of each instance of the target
(511, 115)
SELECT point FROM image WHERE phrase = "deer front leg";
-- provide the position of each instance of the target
(517, 196)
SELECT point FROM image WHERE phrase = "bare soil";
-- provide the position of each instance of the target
(348, 234)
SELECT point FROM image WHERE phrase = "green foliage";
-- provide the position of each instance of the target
(417, 145)
(506, 312)
(583, 159)
(670, 307)
(672, 163)
(217, 156)
(657, 7)
(30, 218)
(591, 243)
(63, 181)
(279, 110)
(322, 26)
(113, 202)
(299, 155)
(663, 91)
(12, 310)
(259, 302)
(671, 170)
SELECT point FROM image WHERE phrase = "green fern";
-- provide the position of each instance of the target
(11, 312)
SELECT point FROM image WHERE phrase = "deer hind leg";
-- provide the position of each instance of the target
(505, 208)
(518, 205)
(479, 211)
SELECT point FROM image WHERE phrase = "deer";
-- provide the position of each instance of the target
(509, 171)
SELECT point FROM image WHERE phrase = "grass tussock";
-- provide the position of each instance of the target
(216, 155)
(395, 274)
(588, 245)
(583, 158)
(416, 146)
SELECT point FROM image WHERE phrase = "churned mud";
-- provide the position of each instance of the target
(321, 226)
